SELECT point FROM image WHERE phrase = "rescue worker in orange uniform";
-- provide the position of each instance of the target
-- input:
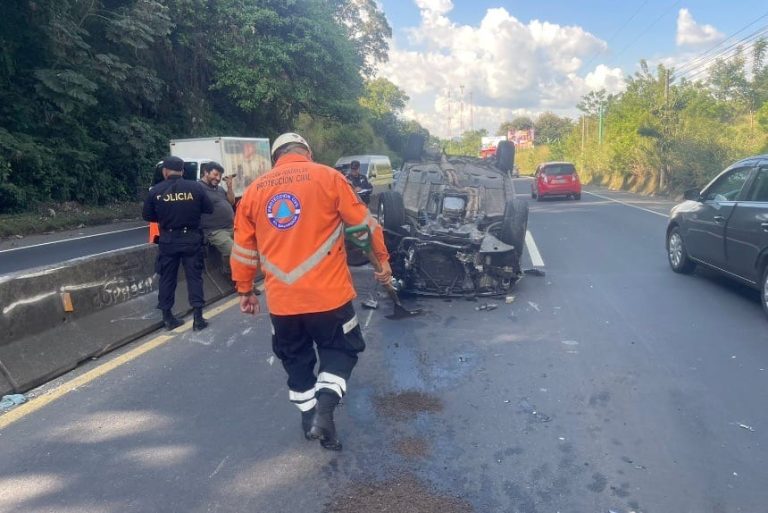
(290, 222)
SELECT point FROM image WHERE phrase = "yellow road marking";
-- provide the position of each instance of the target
(39, 402)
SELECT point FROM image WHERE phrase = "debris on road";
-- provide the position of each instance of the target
(524, 406)
(271, 360)
(534, 272)
(487, 307)
(11, 400)
(509, 300)
(748, 428)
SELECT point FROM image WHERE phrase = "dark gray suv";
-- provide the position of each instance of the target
(725, 226)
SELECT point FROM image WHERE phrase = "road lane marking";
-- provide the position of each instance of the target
(38, 402)
(74, 238)
(627, 204)
(533, 250)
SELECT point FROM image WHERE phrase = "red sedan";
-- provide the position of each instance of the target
(555, 179)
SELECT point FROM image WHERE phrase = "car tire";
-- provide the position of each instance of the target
(514, 227)
(677, 254)
(391, 211)
(533, 194)
(538, 197)
(414, 147)
(505, 156)
(577, 196)
(764, 291)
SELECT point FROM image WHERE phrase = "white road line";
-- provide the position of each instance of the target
(75, 238)
(627, 204)
(533, 250)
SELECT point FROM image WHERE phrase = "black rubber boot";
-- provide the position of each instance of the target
(170, 321)
(323, 427)
(199, 323)
(306, 422)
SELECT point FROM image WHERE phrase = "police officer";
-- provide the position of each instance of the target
(290, 222)
(176, 205)
(359, 181)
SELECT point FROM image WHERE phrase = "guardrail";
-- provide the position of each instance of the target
(53, 318)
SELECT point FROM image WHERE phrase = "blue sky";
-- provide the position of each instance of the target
(524, 58)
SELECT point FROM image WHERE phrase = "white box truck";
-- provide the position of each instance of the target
(245, 158)
(242, 157)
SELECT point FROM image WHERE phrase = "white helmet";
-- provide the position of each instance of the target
(287, 138)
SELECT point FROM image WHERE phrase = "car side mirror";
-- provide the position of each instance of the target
(692, 194)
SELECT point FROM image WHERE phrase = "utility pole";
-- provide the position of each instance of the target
(600, 124)
(449, 115)
(664, 135)
(471, 113)
(461, 110)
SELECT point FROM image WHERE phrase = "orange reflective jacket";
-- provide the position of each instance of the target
(291, 222)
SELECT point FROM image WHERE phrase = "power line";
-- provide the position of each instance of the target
(663, 14)
(743, 45)
(724, 41)
(615, 33)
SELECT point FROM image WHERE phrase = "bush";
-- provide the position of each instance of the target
(12, 198)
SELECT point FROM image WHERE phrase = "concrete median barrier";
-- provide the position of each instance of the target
(55, 317)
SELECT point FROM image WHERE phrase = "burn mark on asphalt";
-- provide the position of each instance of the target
(621, 490)
(598, 484)
(403, 493)
(601, 399)
(407, 405)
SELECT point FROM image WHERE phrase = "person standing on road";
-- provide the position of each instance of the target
(290, 222)
(218, 226)
(177, 205)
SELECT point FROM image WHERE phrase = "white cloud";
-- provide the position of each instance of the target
(690, 33)
(511, 68)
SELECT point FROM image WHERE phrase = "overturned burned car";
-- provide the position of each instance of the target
(452, 225)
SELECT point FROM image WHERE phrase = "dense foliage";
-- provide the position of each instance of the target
(668, 134)
(91, 92)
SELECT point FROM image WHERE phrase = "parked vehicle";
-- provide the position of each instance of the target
(453, 225)
(555, 179)
(725, 226)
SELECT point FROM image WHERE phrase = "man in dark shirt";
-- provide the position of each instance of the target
(359, 181)
(217, 227)
(177, 205)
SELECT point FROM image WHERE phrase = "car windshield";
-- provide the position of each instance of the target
(560, 169)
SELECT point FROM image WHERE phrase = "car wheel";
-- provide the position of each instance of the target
(538, 197)
(577, 196)
(391, 212)
(677, 254)
(765, 290)
(533, 194)
(514, 227)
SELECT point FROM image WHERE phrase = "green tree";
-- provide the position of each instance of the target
(519, 123)
(382, 97)
(551, 128)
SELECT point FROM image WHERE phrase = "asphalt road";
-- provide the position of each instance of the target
(610, 384)
(42, 250)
